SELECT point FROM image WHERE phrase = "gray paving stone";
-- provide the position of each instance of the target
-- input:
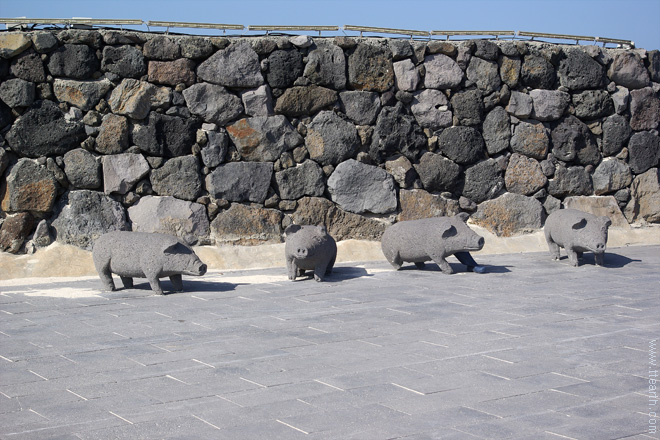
(533, 349)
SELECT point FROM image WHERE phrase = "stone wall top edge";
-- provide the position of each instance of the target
(148, 35)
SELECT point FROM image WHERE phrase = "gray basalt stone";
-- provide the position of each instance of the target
(122, 171)
(402, 171)
(431, 109)
(162, 47)
(644, 151)
(82, 94)
(610, 176)
(361, 107)
(178, 177)
(628, 70)
(169, 215)
(468, 107)
(43, 131)
(571, 181)
(113, 137)
(616, 132)
(485, 74)
(497, 130)
(520, 105)
(14, 231)
(263, 138)
(396, 132)
(132, 98)
(510, 214)
(213, 103)
(524, 175)
(331, 139)
(339, 223)
(196, 48)
(592, 104)
(486, 49)
(370, 68)
(510, 70)
(235, 66)
(537, 72)
(240, 181)
(645, 109)
(163, 135)
(438, 173)
(463, 145)
(213, 153)
(81, 216)
(549, 105)
(258, 102)
(29, 187)
(44, 42)
(442, 72)
(360, 188)
(82, 169)
(172, 73)
(621, 99)
(305, 100)
(309, 248)
(483, 181)
(42, 237)
(578, 71)
(435, 239)
(125, 61)
(284, 67)
(418, 203)
(247, 225)
(577, 232)
(29, 67)
(400, 49)
(644, 201)
(406, 75)
(17, 92)
(144, 255)
(75, 61)
(305, 179)
(573, 141)
(89, 37)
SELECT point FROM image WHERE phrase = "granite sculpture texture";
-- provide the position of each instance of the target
(309, 248)
(434, 238)
(144, 255)
(577, 232)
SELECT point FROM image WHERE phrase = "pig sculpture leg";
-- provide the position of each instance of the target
(465, 258)
(177, 282)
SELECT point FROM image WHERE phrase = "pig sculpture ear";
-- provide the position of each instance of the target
(463, 216)
(449, 232)
(581, 224)
(176, 248)
(606, 221)
(322, 229)
(292, 229)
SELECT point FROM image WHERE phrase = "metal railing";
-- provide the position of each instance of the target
(30, 23)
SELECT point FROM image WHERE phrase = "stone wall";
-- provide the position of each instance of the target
(229, 140)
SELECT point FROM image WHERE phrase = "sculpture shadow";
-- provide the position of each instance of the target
(338, 274)
(610, 259)
(189, 286)
(457, 267)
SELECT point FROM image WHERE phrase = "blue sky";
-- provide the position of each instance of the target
(636, 20)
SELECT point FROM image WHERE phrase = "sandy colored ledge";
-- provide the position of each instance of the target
(59, 260)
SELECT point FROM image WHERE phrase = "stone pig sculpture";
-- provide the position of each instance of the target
(309, 248)
(577, 232)
(432, 238)
(144, 255)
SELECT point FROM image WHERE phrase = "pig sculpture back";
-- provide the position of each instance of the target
(577, 232)
(435, 238)
(309, 248)
(144, 255)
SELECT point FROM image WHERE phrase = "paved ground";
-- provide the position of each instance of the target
(534, 349)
